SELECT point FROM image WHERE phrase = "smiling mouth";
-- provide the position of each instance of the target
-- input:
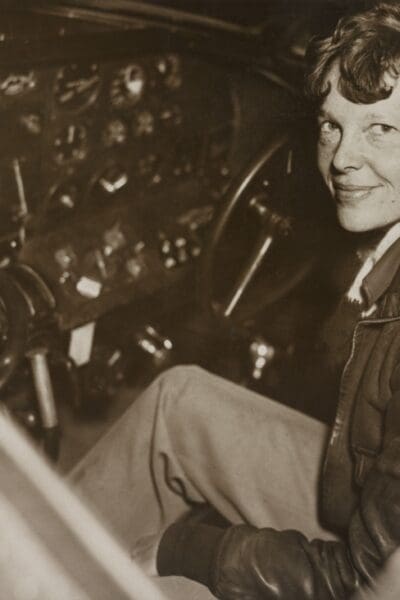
(347, 193)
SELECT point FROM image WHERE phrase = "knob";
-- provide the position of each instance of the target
(261, 354)
(152, 342)
(88, 287)
(114, 239)
(65, 257)
(134, 265)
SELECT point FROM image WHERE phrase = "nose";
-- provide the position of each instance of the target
(348, 153)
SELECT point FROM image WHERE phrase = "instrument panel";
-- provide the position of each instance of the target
(117, 149)
(109, 169)
(90, 131)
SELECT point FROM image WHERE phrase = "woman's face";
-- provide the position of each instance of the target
(359, 157)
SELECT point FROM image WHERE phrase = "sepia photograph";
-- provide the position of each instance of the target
(200, 300)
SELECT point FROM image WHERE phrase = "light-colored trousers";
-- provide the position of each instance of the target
(195, 437)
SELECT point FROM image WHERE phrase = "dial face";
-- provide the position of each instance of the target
(115, 133)
(18, 84)
(31, 122)
(128, 85)
(70, 144)
(171, 116)
(76, 86)
(143, 123)
(148, 168)
(169, 69)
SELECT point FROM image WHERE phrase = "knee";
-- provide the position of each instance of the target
(177, 379)
(177, 386)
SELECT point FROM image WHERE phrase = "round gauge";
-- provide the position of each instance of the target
(31, 122)
(171, 116)
(143, 123)
(70, 144)
(17, 84)
(63, 198)
(148, 168)
(115, 133)
(169, 68)
(76, 86)
(128, 85)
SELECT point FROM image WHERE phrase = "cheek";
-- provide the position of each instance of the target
(385, 163)
(388, 171)
(394, 179)
(324, 158)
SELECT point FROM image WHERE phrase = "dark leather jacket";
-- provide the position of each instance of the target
(361, 480)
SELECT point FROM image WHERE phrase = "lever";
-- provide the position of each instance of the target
(47, 405)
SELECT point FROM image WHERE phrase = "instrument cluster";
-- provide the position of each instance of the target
(109, 170)
(83, 134)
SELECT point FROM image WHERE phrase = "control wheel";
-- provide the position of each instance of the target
(264, 241)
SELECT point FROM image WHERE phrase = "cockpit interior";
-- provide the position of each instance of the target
(150, 157)
(159, 205)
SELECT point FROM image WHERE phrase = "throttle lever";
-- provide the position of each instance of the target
(46, 402)
(16, 311)
(24, 295)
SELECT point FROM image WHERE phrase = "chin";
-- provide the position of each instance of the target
(362, 223)
(353, 224)
(359, 223)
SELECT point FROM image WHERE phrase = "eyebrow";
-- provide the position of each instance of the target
(376, 117)
(323, 113)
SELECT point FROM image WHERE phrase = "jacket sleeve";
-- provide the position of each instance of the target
(247, 563)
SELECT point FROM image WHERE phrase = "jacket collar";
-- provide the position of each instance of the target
(382, 284)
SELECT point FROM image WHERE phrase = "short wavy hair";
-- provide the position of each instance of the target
(366, 48)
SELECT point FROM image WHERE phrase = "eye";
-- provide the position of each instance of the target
(382, 129)
(329, 131)
(327, 127)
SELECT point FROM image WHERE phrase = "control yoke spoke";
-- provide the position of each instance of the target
(273, 225)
